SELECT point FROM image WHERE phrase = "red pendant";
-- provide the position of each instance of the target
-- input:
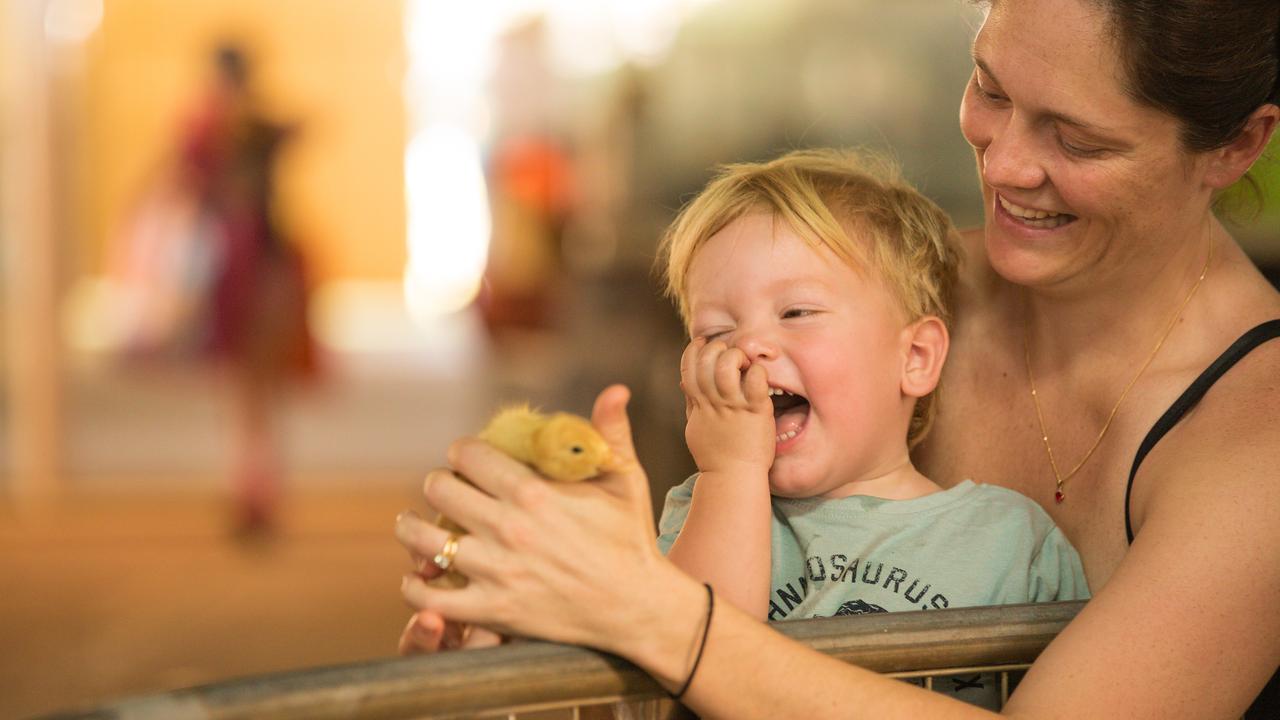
(1058, 497)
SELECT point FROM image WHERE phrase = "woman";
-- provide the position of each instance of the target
(1100, 288)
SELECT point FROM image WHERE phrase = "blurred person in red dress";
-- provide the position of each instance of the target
(258, 297)
(207, 270)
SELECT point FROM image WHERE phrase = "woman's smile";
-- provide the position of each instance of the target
(1032, 217)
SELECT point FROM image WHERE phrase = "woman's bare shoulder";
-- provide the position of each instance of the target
(1223, 456)
(1238, 418)
(1241, 408)
(1200, 575)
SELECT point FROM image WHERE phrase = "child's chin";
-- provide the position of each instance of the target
(790, 487)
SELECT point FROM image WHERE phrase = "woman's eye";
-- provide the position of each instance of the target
(985, 94)
(1081, 151)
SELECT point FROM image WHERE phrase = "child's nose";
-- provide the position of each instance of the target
(756, 345)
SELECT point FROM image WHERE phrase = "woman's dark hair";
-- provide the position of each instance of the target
(1208, 63)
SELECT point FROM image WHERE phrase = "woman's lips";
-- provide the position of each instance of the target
(1032, 217)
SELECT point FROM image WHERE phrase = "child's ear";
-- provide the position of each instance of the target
(925, 343)
(1229, 163)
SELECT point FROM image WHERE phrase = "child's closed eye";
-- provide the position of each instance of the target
(790, 313)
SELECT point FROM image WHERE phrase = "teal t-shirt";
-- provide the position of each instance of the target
(970, 545)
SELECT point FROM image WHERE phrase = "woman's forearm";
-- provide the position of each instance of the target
(748, 670)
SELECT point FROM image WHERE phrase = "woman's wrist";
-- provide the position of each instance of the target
(661, 635)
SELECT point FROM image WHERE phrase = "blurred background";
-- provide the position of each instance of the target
(262, 262)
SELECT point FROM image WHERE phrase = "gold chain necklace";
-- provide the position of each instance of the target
(1058, 495)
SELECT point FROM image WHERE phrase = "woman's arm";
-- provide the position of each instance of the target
(1185, 628)
(1187, 625)
(577, 564)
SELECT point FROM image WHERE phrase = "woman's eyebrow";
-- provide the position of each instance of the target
(1054, 115)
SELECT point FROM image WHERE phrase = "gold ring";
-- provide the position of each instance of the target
(444, 558)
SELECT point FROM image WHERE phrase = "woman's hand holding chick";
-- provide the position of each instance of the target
(730, 427)
(534, 550)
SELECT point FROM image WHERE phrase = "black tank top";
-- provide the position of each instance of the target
(1267, 704)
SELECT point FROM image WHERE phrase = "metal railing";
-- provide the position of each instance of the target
(535, 677)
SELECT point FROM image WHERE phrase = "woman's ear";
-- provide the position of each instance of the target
(925, 342)
(1229, 163)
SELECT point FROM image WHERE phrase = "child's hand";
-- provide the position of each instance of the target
(428, 632)
(730, 416)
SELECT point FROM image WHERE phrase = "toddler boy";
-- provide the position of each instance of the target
(817, 288)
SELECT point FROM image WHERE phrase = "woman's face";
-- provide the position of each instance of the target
(1082, 185)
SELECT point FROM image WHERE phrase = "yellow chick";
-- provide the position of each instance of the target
(562, 447)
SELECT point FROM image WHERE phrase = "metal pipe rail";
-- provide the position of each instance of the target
(531, 676)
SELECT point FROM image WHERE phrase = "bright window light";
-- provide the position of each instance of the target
(72, 21)
(449, 221)
(451, 49)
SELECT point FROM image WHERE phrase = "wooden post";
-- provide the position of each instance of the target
(31, 344)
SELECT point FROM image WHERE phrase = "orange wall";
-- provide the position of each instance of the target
(335, 65)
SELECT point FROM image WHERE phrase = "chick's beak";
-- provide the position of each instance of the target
(612, 463)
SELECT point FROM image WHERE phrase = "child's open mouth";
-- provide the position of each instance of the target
(790, 412)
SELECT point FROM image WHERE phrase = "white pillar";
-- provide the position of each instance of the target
(33, 352)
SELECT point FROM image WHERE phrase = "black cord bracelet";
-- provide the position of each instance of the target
(706, 630)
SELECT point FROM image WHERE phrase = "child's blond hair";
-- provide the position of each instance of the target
(829, 198)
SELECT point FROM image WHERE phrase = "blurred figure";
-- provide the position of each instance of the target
(208, 270)
(530, 189)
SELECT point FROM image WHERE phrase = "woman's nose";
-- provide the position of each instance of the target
(1012, 159)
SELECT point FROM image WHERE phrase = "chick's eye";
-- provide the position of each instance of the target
(576, 449)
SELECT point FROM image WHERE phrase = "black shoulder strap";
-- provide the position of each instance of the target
(1247, 342)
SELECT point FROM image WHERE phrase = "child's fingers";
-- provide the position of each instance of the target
(423, 634)
(478, 637)
(755, 385)
(729, 376)
(455, 636)
(707, 363)
(689, 370)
